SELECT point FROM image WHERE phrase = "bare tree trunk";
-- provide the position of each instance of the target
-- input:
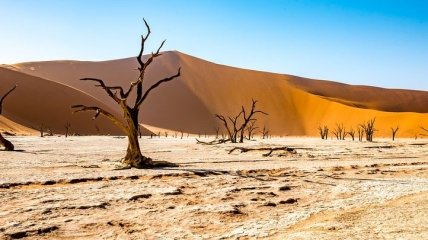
(133, 157)
(7, 144)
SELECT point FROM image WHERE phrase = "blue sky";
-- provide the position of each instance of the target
(378, 42)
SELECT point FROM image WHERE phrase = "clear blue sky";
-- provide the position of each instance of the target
(370, 42)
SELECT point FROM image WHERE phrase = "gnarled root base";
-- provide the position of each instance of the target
(146, 163)
(7, 144)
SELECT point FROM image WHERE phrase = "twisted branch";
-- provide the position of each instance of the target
(98, 111)
(4, 97)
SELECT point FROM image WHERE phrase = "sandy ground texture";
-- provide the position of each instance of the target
(58, 188)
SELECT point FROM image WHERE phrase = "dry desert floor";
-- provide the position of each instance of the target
(68, 188)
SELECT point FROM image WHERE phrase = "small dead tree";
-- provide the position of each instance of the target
(265, 132)
(8, 146)
(251, 128)
(369, 129)
(182, 133)
(42, 130)
(248, 117)
(394, 132)
(217, 130)
(67, 127)
(139, 131)
(360, 132)
(131, 108)
(50, 132)
(340, 132)
(235, 127)
(351, 133)
(323, 132)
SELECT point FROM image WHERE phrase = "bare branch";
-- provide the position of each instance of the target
(106, 88)
(4, 97)
(142, 69)
(98, 111)
(143, 40)
(140, 101)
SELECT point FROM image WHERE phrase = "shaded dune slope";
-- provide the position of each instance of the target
(39, 101)
(296, 106)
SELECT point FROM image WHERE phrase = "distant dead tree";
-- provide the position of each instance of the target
(394, 132)
(265, 132)
(139, 131)
(340, 132)
(50, 132)
(360, 132)
(182, 133)
(351, 133)
(369, 129)
(67, 127)
(235, 127)
(217, 130)
(42, 130)
(166, 134)
(131, 109)
(251, 128)
(323, 132)
(8, 146)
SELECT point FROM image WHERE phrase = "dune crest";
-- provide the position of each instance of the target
(296, 106)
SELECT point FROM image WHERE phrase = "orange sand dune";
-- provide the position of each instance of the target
(11, 127)
(296, 106)
(38, 101)
(391, 100)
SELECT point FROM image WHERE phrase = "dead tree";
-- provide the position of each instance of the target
(42, 130)
(235, 127)
(8, 146)
(323, 132)
(351, 133)
(265, 132)
(131, 108)
(248, 117)
(394, 132)
(217, 130)
(251, 128)
(360, 132)
(369, 129)
(182, 133)
(50, 132)
(67, 127)
(340, 132)
(139, 131)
